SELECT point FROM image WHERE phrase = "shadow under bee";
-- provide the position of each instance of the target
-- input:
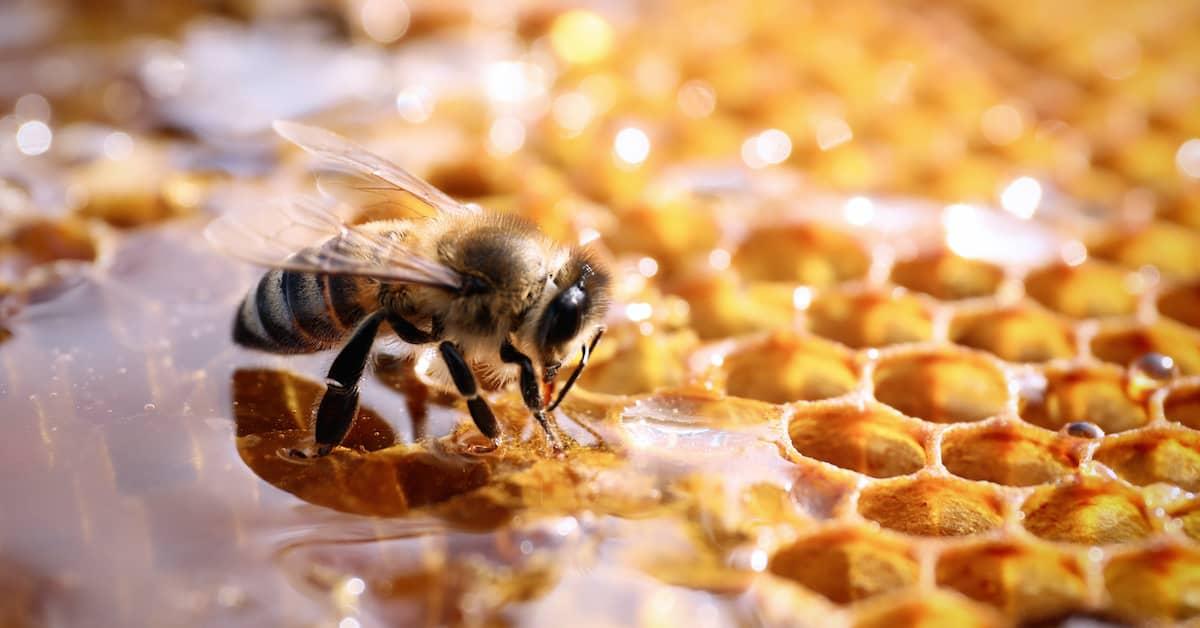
(376, 474)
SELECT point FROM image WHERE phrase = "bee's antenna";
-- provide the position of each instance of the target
(587, 351)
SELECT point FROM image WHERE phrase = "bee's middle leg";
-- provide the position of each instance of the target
(339, 404)
(464, 380)
(412, 334)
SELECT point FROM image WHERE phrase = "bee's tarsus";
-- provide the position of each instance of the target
(481, 413)
(548, 427)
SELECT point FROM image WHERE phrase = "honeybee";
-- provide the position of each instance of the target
(469, 290)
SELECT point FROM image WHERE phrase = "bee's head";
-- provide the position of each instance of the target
(576, 308)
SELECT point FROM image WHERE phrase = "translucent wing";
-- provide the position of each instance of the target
(310, 235)
(353, 174)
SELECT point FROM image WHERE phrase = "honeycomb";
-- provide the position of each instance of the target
(906, 320)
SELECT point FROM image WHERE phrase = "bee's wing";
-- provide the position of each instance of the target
(309, 235)
(357, 176)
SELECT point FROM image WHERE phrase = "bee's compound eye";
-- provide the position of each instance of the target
(563, 317)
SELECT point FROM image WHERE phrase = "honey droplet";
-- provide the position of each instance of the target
(1148, 372)
(1084, 429)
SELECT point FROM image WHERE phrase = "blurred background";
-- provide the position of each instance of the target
(956, 101)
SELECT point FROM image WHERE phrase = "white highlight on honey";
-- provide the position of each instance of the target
(1074, 253)
(696, 99)
(385, 21)
(566, 526)
(573, 111)
(719, 259)
(588, 235)
(859, 211)
(632, 145)
(118, 145)
(513, 82)
(349, 622)
(164, 74)
(647, 267)
(354, 586)
(638, 312)
(832, 132)
(1187, 158)
(580, 36)
(34, 137)
(964, 230)
(506, 136)
(1022, 197)
(758, 560)
(802, 297)
(415, 104)
(766, 149)
(1002, 124)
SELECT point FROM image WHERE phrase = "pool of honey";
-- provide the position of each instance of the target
(906, 340)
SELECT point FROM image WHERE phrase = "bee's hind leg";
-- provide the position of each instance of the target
(464, 381)
(531, 392)
(339, 404)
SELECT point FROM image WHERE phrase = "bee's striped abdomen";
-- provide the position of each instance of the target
(297, 312)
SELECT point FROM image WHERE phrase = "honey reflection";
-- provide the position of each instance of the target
(448, 476)
(371, 475)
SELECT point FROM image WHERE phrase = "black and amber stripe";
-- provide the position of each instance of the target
(297, 312)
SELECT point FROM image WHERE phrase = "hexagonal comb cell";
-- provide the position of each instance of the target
(1017, 334)
(871, 440)
(789, 367)
(720, 307)
(932, 506)
(1089, 511)
(1168, 455)
(1094, 394)
(1182, 303)
(667, 232)
(943, 387)
(1157, 582)
(1092, 289)
(1124, 344)
(870, 319)
(1007, 454)
(925, 610)
(948, 276)
(847, 564)
(805, 253)
(1182, 404)
(1022, 580)
(1174, 250)
(641, 363)
(1188, 516)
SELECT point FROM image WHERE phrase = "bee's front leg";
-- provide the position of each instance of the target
(531, 390)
